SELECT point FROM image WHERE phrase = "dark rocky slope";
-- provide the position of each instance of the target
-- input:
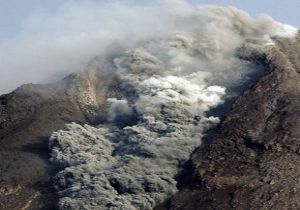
(28, 116)
(252, 160)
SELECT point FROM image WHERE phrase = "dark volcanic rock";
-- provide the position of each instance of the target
(28, 116)
(252, 161)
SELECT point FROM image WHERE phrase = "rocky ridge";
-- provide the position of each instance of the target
(28, 116)
(251, 161)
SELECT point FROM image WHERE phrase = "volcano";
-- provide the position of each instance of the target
(202, 117)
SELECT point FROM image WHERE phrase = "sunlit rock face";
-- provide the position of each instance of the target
(167, 85)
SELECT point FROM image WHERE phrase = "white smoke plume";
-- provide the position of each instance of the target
(177, 77)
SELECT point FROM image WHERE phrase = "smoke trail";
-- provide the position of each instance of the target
(174, 81)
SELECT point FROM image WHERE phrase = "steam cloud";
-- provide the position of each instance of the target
(178, 70)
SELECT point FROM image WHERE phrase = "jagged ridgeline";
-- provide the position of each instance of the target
(167, 88)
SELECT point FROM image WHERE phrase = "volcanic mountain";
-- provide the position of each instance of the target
(205, 117)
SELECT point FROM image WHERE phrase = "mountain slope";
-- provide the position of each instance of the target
(148, 107)
(252, 160)
(28, 116)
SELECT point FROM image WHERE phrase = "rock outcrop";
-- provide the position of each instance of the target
(28, 116)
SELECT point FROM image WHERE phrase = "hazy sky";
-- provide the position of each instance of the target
(13, 12)
(44, 40)
(286, 11)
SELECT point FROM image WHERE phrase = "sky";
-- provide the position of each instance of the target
(14, 12)
(284, 11)
(45, 37)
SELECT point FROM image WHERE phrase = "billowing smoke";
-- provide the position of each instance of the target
(119, 109)
(50, 45)
(170, 82)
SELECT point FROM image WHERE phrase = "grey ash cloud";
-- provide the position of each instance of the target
(175, 79)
